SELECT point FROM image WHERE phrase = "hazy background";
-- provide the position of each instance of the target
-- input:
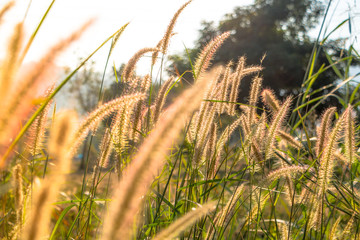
(148, 21)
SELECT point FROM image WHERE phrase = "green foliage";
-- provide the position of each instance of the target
(279, 29)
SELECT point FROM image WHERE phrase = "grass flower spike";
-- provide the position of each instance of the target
(150, 158)
(207, 54)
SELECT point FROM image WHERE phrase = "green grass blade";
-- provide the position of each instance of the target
(175, 82)
(312, 65)
(115, 72)
(323, 99)
(61, 217)
(356, 90)
(33, 35)
(332, 31)
(336, 70)
(307, 103)
(191, 64)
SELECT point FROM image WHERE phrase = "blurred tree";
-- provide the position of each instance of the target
(116, 88)
(85, 88)
(277, 28)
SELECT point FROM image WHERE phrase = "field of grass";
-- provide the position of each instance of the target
(202, 166)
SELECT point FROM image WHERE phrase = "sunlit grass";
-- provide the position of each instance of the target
(202, 166)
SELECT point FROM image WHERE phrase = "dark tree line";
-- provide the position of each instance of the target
(277, 28)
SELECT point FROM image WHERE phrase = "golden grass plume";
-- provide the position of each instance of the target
(203, 61)
(150, 158)
(45, 192)
(128, 72)
(164, 42)
(184, 222)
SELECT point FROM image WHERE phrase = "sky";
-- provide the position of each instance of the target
(148, 22)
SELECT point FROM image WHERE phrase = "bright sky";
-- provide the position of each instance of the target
(148, 22)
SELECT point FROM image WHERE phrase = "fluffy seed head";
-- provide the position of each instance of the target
(274, 127)
(210, 151)
(284, 171)
(22, 94)
(61, 137)
(164, 42)
(59, 144)
(149, 160)
(332, 235)
(316, 214)
(234, 92)
(101, 112)
(160, 99)
(207, 54)
(5, 9)
(11, 62)
(128, 71)
(18, 192)
(116, 37)
(36, 135)
(289, 139)
(223, 216)
(224, 88)
(105, 149)
(347, 230)
(120, 128)
(327, 157)
(184, 222)
(323, 131)
(350, 135)
(269, 99)
(254, 95)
